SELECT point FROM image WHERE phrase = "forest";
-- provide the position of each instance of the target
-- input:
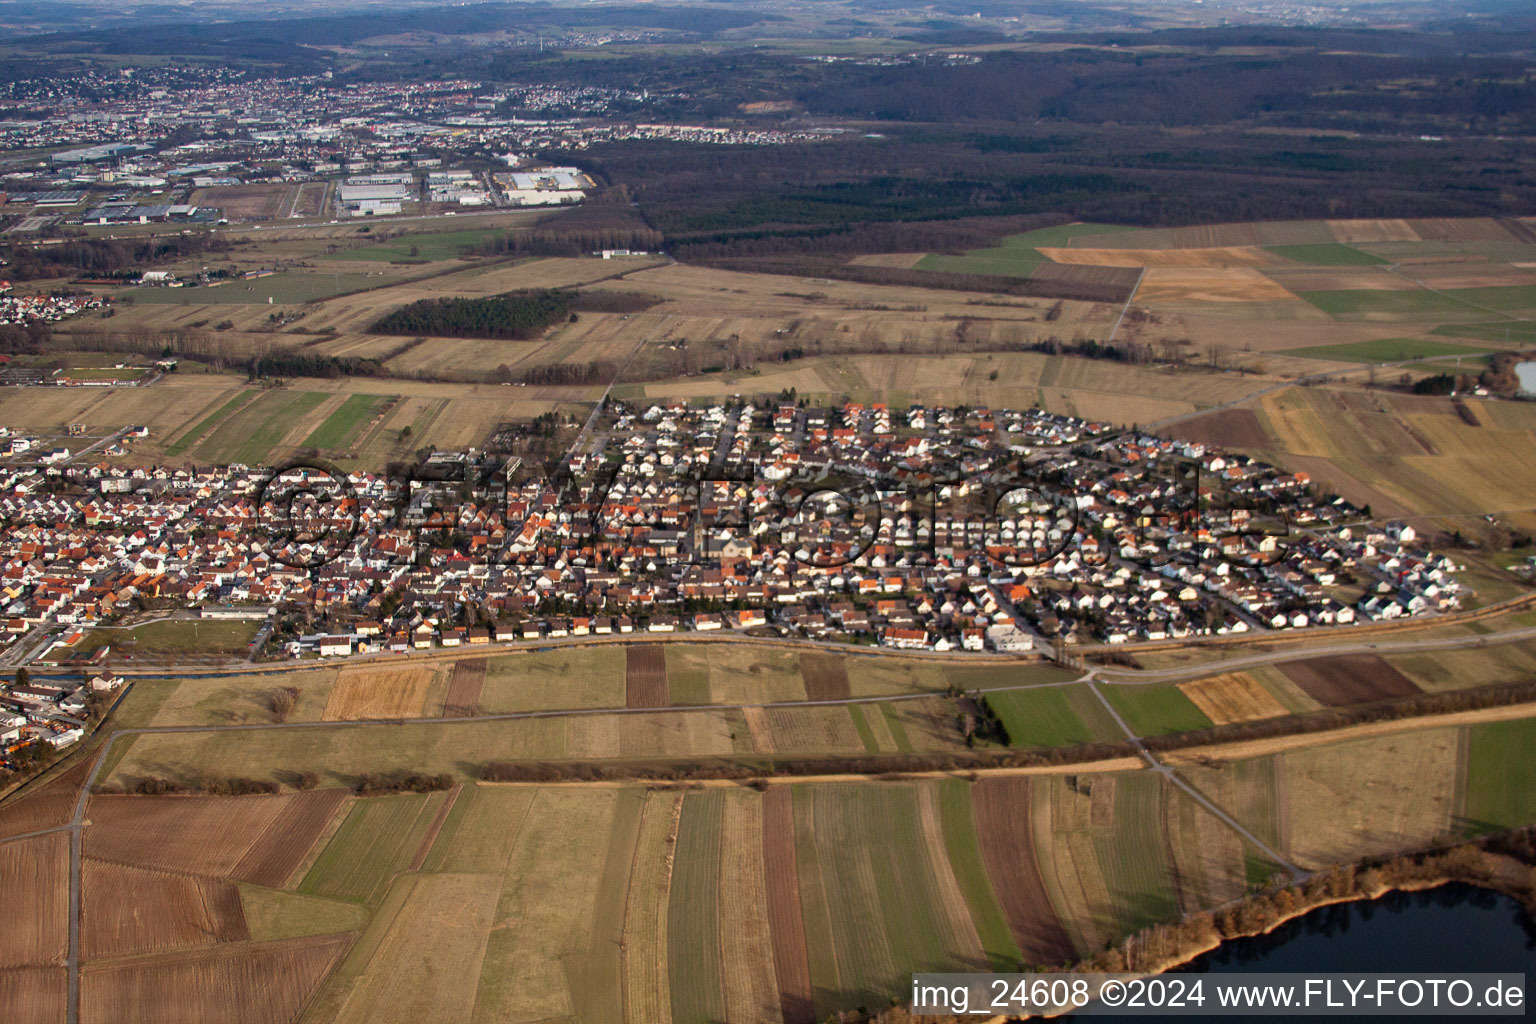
(517, 315)
(93, 257)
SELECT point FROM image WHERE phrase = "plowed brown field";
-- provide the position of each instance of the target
(826, 677)
(1349, 679)
(246, 983)
(255, 837)
(50, 805)
(464, 686)
(33, 995)
(285, 843)
(791, 960)
(645, 676)
(126, 910)
(35, 876)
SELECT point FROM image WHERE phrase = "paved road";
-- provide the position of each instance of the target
(1127, 307)
(1508, 636)
(1194, 794)
(1091, 678)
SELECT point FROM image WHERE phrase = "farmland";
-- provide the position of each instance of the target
(1052, 717)
(786, 902)
(788, 899)
(379, 693)
(1150, 710)
(378, 839)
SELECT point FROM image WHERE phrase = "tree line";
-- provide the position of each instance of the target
(104, 257)
(519, 316)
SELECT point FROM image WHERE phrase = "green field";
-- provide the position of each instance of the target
(1504, 331)
(1500, 776)
(207, 423)
(886, 918)
(434, 246)
(1384, 350)
(1057, 716)
(339, 426)
(1507, 297)
(693, 914)
(687, 678)
(375, 842)
(176, 637)
(1134, 856)
(1327, 254)
(285, 288)
(250, 435)
(1370, 301)
(1155, 709)
(988, 677)
(272, 914)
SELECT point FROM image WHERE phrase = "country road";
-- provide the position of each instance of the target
(1092, 678)
(1168, 773)
(1144, 675)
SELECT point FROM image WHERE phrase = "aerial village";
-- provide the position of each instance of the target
(927, 528)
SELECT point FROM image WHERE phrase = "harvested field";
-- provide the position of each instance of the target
(1229, 428)
(550, 906)
(464, 686)
(1200, 284)
(814, 730)
(899, 260)
(1370, 796)
(1206, 236)
(1224, 256)
(1348, 679)
(246, 202)
(751, 991)
(1470, 275)
(33, 995)
(1348, 231)
(826, 676)
(248, 983)
(643, 946)
(566, 677)
(1234, 697)
(1002, 808)
(791, 963)
(1340, 278)
(35, 873)
(45, 806)
(259, 839)
(378, 693)
(760, 729)
(427, 964)
(645, 676)
(1467, 229)
(126, 910)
